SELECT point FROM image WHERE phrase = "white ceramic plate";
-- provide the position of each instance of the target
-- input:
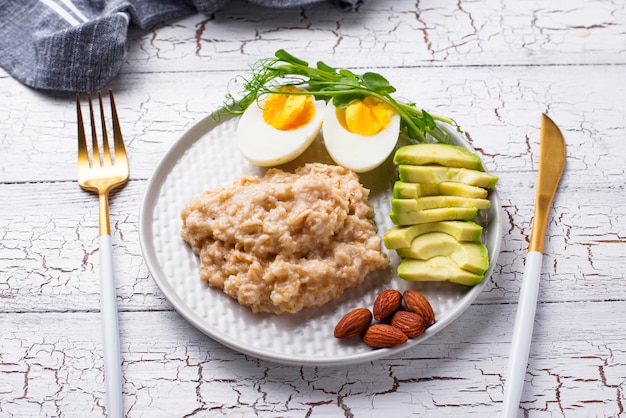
(206, 156)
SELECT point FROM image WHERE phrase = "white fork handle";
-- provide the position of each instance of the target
(110, 331)
(522, 334)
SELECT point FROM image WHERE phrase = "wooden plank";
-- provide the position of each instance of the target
(51, 365)
(390, 34)
(499, 110)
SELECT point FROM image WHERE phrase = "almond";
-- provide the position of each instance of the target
(417, 303)
(386, 304)
(353, 323)
(383, 335)
(410, 323)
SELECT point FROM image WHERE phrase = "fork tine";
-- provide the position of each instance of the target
(94, 135)
(105, 138)
(118, 140)
(83, 154)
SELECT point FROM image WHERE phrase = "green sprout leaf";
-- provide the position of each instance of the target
(283, 55)
(342, 86)
(344, 100)
(377, 83)
(326, 68)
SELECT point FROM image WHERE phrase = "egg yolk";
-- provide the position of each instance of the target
(365, 117)
(288, 111)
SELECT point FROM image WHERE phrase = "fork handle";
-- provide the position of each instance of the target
(110, 331)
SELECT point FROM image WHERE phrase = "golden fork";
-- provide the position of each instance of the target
(101, 173)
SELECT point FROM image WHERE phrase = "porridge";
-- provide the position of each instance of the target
(285, 241)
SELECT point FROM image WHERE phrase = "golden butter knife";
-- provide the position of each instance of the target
(551, 163)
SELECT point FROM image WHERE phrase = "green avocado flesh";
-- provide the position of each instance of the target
(433, 215)
(402, 236)
(468, 255)
(439, 269)
(406, 190)
(464, 190)
(437, 174)
(440, 189)
(441, 154)
(436, 202)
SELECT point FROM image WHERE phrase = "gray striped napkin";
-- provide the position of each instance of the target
(80, 45)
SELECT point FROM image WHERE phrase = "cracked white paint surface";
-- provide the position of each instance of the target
(493, 65)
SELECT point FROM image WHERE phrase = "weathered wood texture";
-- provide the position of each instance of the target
(492, 65)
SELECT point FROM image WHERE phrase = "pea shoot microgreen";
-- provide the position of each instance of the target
(339, 85)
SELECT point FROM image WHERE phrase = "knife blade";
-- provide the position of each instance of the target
(551, 164)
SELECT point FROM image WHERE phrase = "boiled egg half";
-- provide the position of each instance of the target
(361, 136)
(279, 127)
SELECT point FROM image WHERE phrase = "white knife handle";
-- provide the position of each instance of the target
(522, 334)
(110, 332)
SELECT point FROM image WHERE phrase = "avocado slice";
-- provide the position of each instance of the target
(436, 269)
(406, 190)
(460, 189)
(438, 174)
(435, 202)
(468, 255)
(432, 215)
(441, 154)
(402, 236)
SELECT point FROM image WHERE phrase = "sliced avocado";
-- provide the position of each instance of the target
(406, 190)
(402, 236)
(468, 255)
(436, 269)
(460, 189)
(436, 202)
(433, 215)
(440, 154)
(438, 174)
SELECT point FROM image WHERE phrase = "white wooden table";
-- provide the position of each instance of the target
(494, 66)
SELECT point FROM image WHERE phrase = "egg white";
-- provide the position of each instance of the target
(263, 145)
(358, 153)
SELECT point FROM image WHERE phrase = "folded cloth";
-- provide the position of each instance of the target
(80, 45)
